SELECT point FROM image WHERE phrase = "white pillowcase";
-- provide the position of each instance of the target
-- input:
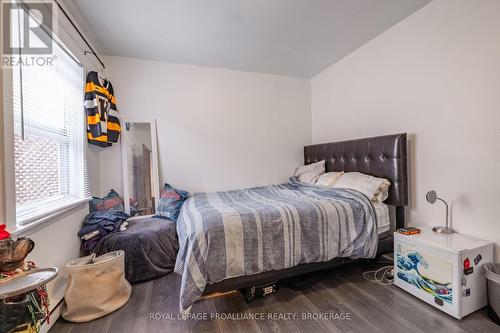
(310, 173)
(329, 178)
(375, 189)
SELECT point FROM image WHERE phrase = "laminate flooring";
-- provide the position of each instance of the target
(342, 301)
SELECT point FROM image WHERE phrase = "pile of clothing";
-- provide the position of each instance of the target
(99, 224)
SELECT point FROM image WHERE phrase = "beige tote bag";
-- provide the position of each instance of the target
(96, 286)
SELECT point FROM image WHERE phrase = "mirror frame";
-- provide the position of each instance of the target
(155, 180)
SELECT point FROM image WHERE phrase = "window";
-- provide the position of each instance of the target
(49, 137)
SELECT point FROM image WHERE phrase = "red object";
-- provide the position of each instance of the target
(3, 233)
(466, 263)
(409, 231)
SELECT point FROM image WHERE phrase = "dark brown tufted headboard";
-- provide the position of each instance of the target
(382, 156)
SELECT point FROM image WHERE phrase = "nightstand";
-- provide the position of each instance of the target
(445, 271)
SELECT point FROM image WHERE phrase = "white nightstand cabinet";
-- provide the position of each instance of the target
(445, 271)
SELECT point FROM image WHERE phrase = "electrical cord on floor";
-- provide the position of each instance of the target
(383, 275)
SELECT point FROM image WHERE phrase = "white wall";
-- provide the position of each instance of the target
(217, 129)
(435, 75)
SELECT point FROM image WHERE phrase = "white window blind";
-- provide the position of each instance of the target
(49, 137)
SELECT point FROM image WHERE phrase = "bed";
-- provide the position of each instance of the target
(235, 239)
(150, 247)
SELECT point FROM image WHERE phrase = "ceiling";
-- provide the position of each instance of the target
(288, 37)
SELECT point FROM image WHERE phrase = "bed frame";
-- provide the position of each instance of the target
(382, 156)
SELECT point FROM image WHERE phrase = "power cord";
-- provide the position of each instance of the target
(383, 276)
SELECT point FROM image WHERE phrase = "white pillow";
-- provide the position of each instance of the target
(384, 193)
(376, 189)
(329, 178)
(310, 173)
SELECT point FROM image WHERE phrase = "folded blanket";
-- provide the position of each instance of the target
(104, 221)
(99, 224)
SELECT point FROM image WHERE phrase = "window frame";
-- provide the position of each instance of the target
(69, 45)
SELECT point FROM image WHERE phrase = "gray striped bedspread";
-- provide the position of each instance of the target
(249, 231)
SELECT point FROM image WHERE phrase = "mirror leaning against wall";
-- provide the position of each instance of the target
(140, 166)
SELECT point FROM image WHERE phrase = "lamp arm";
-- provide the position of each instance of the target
(446, 210)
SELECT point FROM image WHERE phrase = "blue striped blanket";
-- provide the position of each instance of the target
(243, 232)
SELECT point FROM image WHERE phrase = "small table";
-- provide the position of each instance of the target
(27, 281)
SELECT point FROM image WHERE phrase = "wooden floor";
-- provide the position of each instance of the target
(371, 307)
